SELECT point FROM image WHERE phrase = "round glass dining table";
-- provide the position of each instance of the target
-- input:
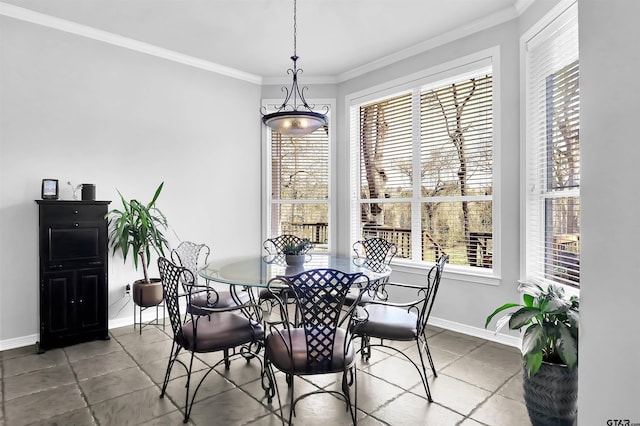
(257, 271)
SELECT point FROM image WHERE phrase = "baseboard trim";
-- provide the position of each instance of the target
(476, 332)
(18, 342)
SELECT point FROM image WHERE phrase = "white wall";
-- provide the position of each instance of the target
(610, 151)
(81, 110)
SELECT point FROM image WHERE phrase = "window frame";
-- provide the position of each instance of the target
(431, 77)
(553, 19)
(270, 105)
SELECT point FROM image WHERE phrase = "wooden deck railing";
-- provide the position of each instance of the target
(479, 251)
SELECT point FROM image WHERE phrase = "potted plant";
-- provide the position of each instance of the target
(138, 228)
(295, 254)
(549, 349)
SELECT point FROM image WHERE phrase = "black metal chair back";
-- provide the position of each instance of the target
(319, 296)
(173, 277)
(431, 290)
(191, 256)
(276, 245)
(376, 249)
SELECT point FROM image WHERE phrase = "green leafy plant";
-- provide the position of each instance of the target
(551, 322)
(300, 248)
(138, 228)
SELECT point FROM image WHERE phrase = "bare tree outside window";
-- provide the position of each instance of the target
(455, 188)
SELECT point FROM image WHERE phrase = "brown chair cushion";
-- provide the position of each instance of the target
(219, 331)
(388, 322)
(276, 351)
(225, 300)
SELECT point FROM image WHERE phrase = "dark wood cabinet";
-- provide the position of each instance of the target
(73, 272)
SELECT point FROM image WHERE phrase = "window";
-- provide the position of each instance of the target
(425, 170)
(552, 237)
(299, 180)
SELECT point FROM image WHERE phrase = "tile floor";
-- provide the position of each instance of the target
(117, 382)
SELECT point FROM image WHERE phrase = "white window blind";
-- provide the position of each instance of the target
(300, 186)
(425, 170)
(553, 153)
(456, 171)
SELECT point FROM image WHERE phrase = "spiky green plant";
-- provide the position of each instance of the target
(551, 322)
(300, 248)
(138, 228)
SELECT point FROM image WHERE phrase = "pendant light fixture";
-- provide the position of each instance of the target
(296, 118)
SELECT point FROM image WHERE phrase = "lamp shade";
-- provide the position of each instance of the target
(295, 123)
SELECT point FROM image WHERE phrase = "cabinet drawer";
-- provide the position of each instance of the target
(72, 213)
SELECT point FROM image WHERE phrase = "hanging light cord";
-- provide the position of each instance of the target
(295, 29)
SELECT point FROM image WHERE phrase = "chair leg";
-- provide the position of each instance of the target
(365, 347)
(292, 402)
(175, 350)
(423, 373)
(433, 367)
(354, 408)
(227, 363)
(271, 385)
(187, 406)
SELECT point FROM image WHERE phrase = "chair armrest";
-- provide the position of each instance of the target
(411, 304)
(405, 285)
(420, 290)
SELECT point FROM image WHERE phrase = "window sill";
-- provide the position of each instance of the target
(451, 272)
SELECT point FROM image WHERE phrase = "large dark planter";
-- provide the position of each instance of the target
(147, 294)
(551, 395)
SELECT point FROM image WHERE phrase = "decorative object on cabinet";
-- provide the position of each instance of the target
(73, 272)
(88, 192)
(74, 189)
(49, 189)
(549, 349)
(139, 228)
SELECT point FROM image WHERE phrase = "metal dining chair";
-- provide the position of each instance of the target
(235, 330)
(192, 257)
(312, 341)
(276, 246)
(404, 321)
(379, 253)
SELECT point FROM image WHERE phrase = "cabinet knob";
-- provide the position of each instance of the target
(72, 302)
(76, 225)
(80, 300)
(75, 212)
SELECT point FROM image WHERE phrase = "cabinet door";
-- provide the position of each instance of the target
(57, 304)
(91, 299)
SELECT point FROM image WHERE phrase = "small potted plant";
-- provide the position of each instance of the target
(295, 254)
(549, 349)
(138, 228)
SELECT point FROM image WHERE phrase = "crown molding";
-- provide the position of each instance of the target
(522, 5)
(31, 16)
(492, 20)
(49, 21)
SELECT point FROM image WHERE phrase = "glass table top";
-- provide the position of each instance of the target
(258, 270)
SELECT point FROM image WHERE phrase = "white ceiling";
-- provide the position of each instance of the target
(256, 36)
